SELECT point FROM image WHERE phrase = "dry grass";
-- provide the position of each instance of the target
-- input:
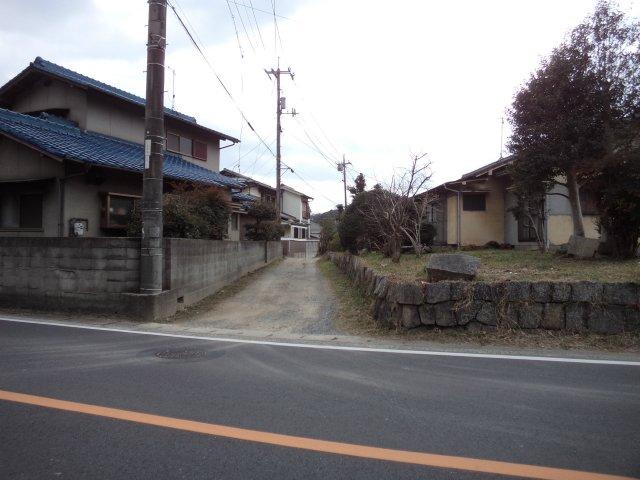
(500, 265)
(354, 318)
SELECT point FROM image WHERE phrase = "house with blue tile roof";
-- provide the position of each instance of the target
(71, 154)
(295, 215)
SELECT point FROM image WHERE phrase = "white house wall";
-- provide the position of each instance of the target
(292, 204)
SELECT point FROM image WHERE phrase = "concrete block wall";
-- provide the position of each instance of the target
(102, 274)
(195, 269)
(32, 265)
(583, 306)
(300, 248)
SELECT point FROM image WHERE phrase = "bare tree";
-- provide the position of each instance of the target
(398, 209)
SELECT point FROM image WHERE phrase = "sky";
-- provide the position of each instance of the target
(376, 81)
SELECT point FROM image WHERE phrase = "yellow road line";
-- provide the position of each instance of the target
(323, 446)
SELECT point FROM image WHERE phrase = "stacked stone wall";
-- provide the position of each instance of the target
(582, 306)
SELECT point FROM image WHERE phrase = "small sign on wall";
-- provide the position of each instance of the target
(147, 152)
(78, 227)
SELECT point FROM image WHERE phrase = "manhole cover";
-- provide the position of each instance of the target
(180, 354)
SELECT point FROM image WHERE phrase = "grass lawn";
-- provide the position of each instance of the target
(354, 317)
(500, 265)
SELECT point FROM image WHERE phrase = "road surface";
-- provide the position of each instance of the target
(329, 407)
(291, 297)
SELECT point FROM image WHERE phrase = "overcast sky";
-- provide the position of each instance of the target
(375, 80)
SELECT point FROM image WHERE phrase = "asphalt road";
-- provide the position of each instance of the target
(582, 417)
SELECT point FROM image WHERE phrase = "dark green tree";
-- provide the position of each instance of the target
(266, 226)
(359, 185)
(567, 118)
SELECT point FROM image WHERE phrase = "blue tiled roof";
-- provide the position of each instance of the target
(45, 66)
(244, 197)
(63, 139)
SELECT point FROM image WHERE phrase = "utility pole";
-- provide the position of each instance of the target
(280, 107)
(342, 167)
(151, 204)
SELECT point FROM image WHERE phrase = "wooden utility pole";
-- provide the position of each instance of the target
(280, 107)
(151, 262)
(342, 167)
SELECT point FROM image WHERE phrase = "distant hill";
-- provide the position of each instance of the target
(318, 217)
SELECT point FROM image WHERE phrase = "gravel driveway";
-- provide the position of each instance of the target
(291, 297)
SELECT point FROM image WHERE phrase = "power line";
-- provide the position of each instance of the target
(245, 29)
(259, 10)
(253, 11)
(213, 70)
(317, 148)
(235, 27)
(275, 25)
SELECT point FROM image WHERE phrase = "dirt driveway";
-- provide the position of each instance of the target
(291, 297)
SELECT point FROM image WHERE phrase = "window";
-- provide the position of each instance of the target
(21, 211)
(31, 211)
(235, 219)
(526, 230)
(173, 142)
(588, 202)
(474, 202)
(186, 146)
(199, 150)
(117, 210)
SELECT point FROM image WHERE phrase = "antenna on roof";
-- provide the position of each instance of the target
(173, 88)
(501, 135)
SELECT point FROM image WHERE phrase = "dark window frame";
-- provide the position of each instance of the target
(468, 206)
(106, 222)
(197, 148)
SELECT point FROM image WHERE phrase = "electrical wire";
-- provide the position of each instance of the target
(235, 27)
(215, 73)
(259, 10)
(245, 29)
(253, 11)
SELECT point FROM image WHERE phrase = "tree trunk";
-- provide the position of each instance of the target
(574, 201)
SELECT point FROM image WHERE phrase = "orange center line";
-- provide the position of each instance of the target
(323, 446)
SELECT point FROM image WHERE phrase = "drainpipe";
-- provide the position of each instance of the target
(458, 213)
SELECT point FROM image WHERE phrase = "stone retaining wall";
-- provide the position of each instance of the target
(571, 306)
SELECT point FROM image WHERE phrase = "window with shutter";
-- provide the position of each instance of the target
(173, 142)
(199, 150)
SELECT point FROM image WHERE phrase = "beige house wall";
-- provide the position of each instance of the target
(18, 162)
(560, 228)
(478, 227)
(48, 94)
(115, 119)
(83, 198)
(99, 113)
(452, 208)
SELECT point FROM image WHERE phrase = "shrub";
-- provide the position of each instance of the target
(428, 233)
(266, 226)
(189, 212)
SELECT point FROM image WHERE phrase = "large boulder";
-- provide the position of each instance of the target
(582, 247)
(452, 266)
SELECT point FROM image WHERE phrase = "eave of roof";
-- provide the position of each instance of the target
(292, 190)
(49, 68)
(64, 141)
(247, 180)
